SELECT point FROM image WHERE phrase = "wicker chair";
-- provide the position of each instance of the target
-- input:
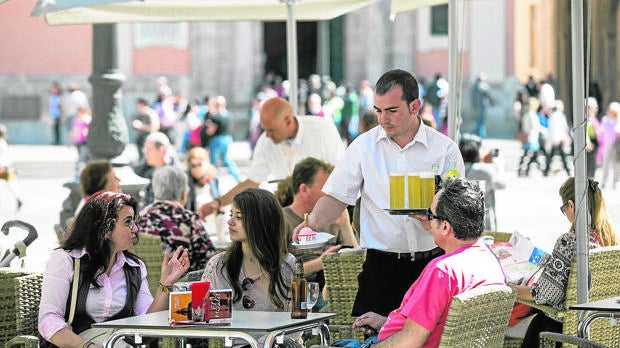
(478, 317)
(550, 340)
(8, 303)
(341, 272)
(149, 249)
(604, 270)
(28, 297)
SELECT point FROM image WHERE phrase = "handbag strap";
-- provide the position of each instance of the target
(74, 288)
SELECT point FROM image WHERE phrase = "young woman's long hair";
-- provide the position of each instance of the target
(91, 230)
(600, 223)
(263, 222)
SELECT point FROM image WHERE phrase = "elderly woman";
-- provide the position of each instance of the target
(112, 281)
(167, 217)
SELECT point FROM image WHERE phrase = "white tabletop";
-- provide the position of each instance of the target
(242, 320)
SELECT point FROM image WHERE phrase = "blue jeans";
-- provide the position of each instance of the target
(218, 148)
(350, 343)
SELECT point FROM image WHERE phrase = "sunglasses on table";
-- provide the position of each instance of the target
(246, 285)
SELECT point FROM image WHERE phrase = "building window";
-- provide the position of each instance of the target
(439, 20)
(161, 35)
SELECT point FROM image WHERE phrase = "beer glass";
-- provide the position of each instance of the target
(397, 191)
(427, 188)
(413, 188)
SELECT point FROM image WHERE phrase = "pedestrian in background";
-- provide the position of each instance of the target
(55, 112)
(481, 101)
(609, 123)
(7, 172)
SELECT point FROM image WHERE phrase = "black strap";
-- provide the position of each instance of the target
(83, 320)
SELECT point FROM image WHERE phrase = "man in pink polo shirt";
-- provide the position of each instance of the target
(456, 219)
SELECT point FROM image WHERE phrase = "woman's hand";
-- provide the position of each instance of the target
(173, 267)
(369, 323)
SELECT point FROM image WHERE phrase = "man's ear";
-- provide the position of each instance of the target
(446, 227)
(303, 188)
(414, 107)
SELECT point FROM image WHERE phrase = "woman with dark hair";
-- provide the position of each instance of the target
(256, 265)
(112, 281)
(98, 175)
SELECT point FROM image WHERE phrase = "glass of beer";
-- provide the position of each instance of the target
(427, 188)
(413, 187)
(397, 191)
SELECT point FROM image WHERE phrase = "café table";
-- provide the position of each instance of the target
(272, 324)
(606, 308)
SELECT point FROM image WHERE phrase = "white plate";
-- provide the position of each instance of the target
(321, 239)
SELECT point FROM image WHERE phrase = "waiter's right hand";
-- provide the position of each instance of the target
(423, 220)
(208, 209)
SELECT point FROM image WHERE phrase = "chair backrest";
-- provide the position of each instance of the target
(605, 272)
(341, 270)
(150, 250)
(20, 297)
(478, 317)
(551, 339)
(28, 294)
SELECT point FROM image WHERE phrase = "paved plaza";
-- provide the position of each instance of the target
(529, 205)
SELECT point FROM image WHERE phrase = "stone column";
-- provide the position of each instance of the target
(107, 135)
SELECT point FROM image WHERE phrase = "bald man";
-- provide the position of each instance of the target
(286, 140)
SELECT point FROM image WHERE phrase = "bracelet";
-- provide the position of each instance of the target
(163, 288)
(219, 202)
(88, 344)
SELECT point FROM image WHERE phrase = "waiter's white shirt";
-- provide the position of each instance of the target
(365, 169)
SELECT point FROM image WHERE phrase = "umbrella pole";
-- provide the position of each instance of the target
(581, 198)
(453, 95)
(291, 52)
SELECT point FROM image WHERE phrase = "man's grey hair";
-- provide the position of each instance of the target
(159, 139)
(169, 183)
(461, 203)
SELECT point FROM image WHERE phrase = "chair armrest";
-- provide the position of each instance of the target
(26, 341)
(549, 311)
(549, 339)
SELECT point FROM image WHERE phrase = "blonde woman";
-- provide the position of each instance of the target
(550, 289)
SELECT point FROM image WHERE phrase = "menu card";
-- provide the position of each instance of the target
(520, 259)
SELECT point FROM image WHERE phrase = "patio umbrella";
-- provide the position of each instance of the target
(59, 12)
(578, 100)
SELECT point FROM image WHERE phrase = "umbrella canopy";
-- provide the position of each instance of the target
(406, 5)
(118, 11)
(59, 12)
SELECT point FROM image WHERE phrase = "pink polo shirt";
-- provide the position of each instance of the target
(428, 300)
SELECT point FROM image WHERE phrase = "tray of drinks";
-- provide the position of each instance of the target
(413, 211)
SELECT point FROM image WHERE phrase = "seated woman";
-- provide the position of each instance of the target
(97, 176)
(256, 265)
(167, 217)
(550, 289)
(112, 281)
